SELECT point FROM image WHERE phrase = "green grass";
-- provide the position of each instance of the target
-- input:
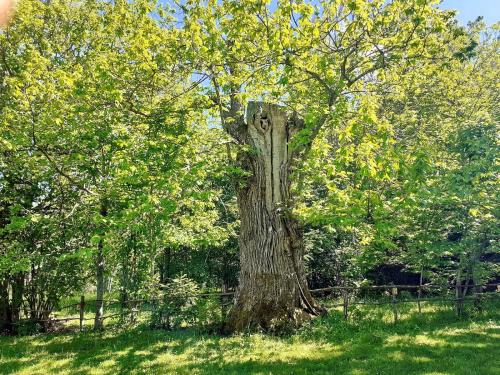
(435, 342)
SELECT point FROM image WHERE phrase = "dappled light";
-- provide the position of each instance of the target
(419, 344)
(249, 187)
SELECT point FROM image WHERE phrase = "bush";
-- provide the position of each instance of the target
(209, 311)
(182, 306)
(178, 305)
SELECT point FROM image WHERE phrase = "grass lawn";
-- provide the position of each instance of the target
(435, 342)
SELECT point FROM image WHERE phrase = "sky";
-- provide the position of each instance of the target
(469, 10)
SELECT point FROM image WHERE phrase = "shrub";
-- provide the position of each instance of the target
(182, 305)
(178, 306)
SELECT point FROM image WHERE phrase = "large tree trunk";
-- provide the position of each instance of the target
(273, 290)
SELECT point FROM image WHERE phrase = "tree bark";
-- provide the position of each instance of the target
(100, 285)
(99, 303)
(17, 296)
(10, 311)
(5, 310)
(272, 291)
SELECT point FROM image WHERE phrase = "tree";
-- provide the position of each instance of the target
(448, 215)
(382, 175)
(278, 76)
(93, 95)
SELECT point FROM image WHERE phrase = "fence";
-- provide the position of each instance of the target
(349, 296)
(460, 291)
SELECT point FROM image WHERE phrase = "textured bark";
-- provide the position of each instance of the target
(100, 285)
(272, 290)
(5, 309)
(10, 311)
(17, 296)
(99, 303)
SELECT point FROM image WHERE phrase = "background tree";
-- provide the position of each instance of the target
(380, 175)
(93, 98)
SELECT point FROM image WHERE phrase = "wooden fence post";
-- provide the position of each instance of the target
(458, 297)
(134, 311)
(82, 312)
(153, 308)
(123, 300)
(394, 302)
(346, 304)
(419, 295)
(223, 312)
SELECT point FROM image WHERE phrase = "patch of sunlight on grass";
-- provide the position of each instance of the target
(397, 356)
(414, 340)
(436, 343)
(108, 364)
(426, 340)
(421, 359)
(358, 372)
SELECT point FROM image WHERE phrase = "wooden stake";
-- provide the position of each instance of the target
(346, 304)
(458, 297)
(394, 302)
(418, 300)
(82, 312)
(420, 290)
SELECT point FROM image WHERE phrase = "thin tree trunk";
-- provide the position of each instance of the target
(99, 304)
(477, 292)
(17, 297)
(272, 290)
(476, 281)
(100, 284)
(5, 311)
(33, 300)
(420, 289)
(458, 293)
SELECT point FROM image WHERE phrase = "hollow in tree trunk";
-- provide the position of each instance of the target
(272, 291)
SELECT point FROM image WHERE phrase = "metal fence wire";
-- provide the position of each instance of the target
(348, 295)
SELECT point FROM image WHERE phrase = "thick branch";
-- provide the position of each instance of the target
(232, 119)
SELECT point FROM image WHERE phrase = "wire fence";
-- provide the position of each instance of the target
(356, 295)
(348, 296)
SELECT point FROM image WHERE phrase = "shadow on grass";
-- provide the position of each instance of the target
(433, 342)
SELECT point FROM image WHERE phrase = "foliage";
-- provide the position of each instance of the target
(182, 306)
(119, 146)
(178, 305)
(392, 176)
(102, 157)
